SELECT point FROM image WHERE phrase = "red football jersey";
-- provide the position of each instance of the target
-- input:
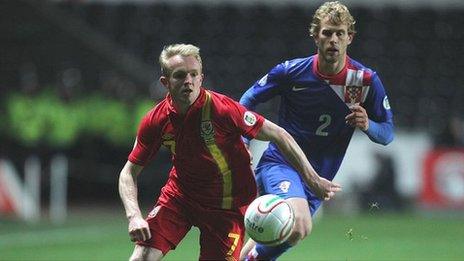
(210, 163)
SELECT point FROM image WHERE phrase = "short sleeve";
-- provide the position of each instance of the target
(246, 122)
(147, 142)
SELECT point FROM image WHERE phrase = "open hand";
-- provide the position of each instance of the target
(326, 189)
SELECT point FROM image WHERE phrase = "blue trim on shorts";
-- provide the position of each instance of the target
(283, 180)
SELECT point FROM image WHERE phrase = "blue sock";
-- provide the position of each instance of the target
(271, 252)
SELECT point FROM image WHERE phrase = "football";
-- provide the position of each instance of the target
(269, 220)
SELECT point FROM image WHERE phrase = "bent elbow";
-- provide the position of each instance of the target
(388, 140)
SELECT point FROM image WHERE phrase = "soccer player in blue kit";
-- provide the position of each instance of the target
(323, 98)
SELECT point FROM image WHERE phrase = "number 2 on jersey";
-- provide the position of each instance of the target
(325, 119)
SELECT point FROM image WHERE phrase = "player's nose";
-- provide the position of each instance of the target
(188, 79)
(334, 37)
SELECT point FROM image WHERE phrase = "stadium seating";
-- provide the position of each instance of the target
(416, 51)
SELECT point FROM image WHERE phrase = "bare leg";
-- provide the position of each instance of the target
(247, 248)
(142, 253)
(303, 221)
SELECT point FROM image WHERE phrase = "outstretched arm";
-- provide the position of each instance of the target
(138, 227)
(322, 187)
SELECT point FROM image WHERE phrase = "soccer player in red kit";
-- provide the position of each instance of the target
(211, 183)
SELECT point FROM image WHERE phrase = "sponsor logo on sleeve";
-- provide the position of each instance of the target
(386, 103)
(249, 118)
(263, 81)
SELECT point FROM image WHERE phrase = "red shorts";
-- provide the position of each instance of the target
(222, 231)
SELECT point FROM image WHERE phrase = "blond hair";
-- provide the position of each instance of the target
(338, 14)
(177, 49)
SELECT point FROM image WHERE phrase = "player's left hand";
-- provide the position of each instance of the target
(326, 189)
(139, 229)
(358, 117)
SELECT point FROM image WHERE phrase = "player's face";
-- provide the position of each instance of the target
(185, 80)
(332, 41)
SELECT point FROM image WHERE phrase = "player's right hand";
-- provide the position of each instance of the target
(138, 229)
(326, 189)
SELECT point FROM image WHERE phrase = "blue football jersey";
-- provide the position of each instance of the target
(313, 107)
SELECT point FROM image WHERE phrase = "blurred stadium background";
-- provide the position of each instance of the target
(76, 77)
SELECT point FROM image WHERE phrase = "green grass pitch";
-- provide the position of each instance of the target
(369, 237)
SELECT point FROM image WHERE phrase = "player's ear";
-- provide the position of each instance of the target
(202, 78)
(350, 37)
(316, 39)
(164, 81)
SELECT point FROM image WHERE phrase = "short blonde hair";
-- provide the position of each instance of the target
(177, 49)
(337, 12)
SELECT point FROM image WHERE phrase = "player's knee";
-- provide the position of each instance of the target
(302, 229)
(303, 223)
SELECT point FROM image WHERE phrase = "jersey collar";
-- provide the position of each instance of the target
(338, 78)
(197, 104)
